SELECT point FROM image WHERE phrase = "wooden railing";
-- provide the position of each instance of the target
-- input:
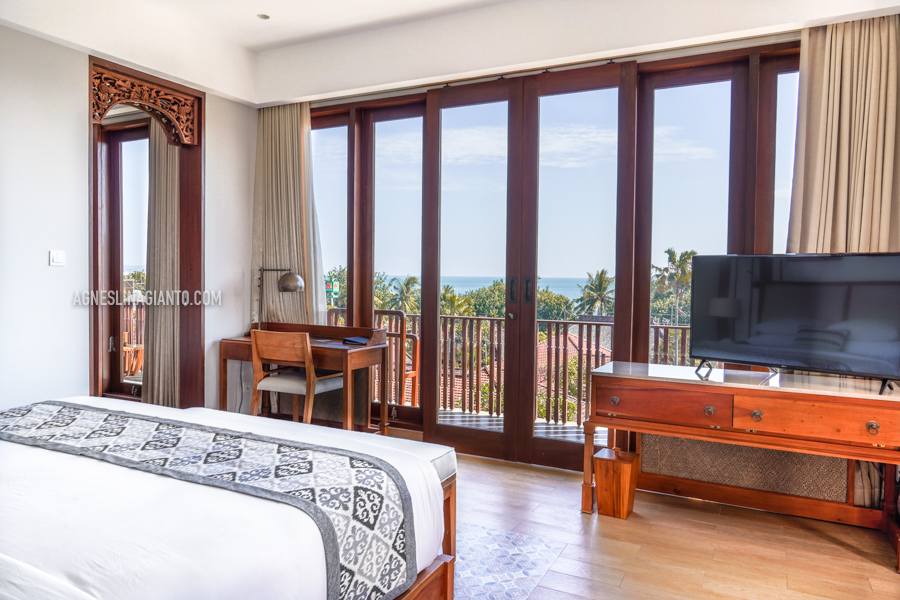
(403, 353)
(670, 345)
(133, 318)
(571, 350)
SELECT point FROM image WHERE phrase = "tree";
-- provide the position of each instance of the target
(338, 274)
(598, 295)
(382, 291)
(674, 278)
(452, 304)
(139, 278)
(554, 307)
(488, 301)
(406, 294)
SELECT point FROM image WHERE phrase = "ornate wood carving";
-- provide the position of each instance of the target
(176, 112)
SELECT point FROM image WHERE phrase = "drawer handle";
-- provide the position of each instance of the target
(873, 427)
(756, 415)
(614, 400)
(710, 411)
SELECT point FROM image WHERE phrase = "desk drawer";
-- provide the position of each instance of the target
(700, 409)
(818, 419)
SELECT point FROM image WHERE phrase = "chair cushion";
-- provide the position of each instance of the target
(295, 383)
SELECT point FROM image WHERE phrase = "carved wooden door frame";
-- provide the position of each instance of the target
(180, 111)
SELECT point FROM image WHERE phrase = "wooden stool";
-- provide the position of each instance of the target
(615, 472)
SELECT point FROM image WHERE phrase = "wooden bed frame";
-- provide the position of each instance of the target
(436, 581)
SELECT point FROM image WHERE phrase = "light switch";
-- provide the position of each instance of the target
(57, 258)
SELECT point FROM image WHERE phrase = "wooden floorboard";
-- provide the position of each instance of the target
(674, 548)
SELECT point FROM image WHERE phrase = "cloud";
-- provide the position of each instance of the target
(577, 145)
(566, 146)
(669, 146)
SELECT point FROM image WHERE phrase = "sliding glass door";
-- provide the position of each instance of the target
(474, 289)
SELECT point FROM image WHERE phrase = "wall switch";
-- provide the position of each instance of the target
(57, 258)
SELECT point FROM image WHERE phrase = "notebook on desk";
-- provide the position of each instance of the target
(357, 340)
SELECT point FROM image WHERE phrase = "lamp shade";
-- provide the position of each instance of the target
(729, 308)
(291, 282)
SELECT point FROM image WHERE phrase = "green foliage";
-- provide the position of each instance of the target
(383, 293)
(488, 301)
(453, 304)
(554, 307)
(673, 280)
(139, 278)
(598, 295)
(406, 294)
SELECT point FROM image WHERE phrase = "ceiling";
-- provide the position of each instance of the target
(295, 21)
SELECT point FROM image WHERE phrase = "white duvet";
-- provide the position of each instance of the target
(76, 528)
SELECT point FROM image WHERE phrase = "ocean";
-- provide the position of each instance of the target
(567, 286)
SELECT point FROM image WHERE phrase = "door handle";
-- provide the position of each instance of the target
(513, 290)
(512, 316)
(529, 283)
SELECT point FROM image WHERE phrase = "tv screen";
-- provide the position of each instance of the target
(827, 313)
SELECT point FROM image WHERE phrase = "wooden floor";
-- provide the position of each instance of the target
(673, 548)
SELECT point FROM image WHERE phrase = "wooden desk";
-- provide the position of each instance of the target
(811, 414)
(329, 353)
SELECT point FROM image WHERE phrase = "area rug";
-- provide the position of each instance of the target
(492, 564)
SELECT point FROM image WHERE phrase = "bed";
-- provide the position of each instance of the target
(80, 528)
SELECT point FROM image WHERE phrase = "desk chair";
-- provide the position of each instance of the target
(289, 350)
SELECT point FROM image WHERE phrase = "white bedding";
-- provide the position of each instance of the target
(78, 528)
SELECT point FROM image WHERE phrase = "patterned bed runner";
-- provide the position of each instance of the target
(359, 502)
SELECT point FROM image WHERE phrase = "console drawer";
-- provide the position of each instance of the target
(700, 409)
(818, 419)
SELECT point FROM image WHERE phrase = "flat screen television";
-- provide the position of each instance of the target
(831, 313)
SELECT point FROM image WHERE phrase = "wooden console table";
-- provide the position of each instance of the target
(329, 353)
(812, 414)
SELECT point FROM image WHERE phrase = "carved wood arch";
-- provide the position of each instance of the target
(175, 111)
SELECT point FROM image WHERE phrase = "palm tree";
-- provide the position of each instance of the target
(675, 277)
(598, 295)
(406, 294)
(451, 304)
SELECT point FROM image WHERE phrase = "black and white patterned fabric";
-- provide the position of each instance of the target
(359, 502)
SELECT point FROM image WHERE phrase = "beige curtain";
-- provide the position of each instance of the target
(846, 197)
(160, 378)
(285, 227)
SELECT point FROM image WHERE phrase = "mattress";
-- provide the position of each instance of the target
(74, 527)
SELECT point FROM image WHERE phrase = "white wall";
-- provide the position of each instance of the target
(152, 37)
(230, 149)
(44, 205)
(527, 34)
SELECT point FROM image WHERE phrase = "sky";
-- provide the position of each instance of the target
(577, 179)
(135, 191)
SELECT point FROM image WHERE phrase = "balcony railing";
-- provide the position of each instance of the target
(669, 345)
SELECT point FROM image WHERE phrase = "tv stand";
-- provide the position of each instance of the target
(811, 414)
(704, 363)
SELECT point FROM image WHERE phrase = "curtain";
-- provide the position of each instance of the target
(845, 196)
(285, 227)
(160, 378)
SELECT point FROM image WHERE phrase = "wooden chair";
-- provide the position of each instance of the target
(288, 350)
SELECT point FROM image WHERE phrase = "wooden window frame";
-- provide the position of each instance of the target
(753, 72)
(191, 343)
(112, 137)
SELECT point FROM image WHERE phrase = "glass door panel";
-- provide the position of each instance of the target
(329, 159)
(787, 94)
(398, 252)
(135, 187)
(576, 256)
(691, 147)
(473, 263)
